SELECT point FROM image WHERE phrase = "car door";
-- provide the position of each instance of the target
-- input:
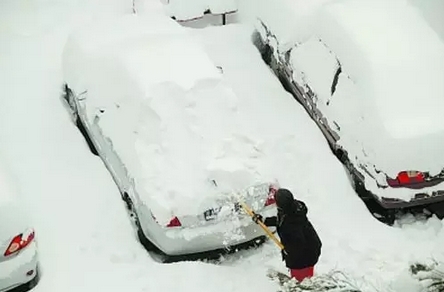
(107, 152)
(315, 67)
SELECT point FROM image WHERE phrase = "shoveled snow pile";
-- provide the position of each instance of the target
(191, 9)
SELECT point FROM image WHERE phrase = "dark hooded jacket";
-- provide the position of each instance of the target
(301, 242)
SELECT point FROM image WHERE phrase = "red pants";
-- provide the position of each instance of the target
(301, 274)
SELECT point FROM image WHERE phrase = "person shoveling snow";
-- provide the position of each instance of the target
(300, 241)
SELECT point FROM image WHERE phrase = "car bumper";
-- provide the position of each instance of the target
(408, 197)
(420, 199)
(20, 269)
(187, 241)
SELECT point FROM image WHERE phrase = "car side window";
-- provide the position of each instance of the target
(336, 79)
(315, 66)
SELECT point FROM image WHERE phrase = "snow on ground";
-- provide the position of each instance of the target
(85, 237)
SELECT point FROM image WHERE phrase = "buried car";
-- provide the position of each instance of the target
(150, 104)
(18, 247)
(370, 74)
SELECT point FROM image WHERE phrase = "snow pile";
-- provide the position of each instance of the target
(191, 9)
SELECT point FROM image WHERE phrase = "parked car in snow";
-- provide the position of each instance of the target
(149, 102)
(374, 86)
(18, 247)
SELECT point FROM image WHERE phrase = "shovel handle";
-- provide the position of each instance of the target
(264, 227)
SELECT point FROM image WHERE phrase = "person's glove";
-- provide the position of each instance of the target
(257, 217)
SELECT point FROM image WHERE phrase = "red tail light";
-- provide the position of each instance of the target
(18, 243)
(406, 178)
(271, 199)
(174, 223)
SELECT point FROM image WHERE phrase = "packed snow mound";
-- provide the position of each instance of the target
(160, 51)
(191, 9)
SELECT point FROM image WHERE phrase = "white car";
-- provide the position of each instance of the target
(370, 74)
(126, 85)
(18, 247)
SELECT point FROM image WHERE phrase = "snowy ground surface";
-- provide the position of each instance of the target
(85, 237)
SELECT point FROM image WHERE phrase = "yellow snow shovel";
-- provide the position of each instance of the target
(264, 227)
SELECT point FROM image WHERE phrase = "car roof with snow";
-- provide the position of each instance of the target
(153, 49)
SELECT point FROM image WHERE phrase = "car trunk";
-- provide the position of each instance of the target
(226, 206)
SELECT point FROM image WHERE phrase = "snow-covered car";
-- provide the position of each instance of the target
(190, 10)
(150, 103)
(370, 74)
(18, 247)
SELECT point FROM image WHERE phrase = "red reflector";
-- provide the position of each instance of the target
(174, 223)
(406, 177)
(271, 196)
(18, 243)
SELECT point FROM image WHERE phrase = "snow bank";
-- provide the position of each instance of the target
(192, 9)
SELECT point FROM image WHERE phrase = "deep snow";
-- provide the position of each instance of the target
(84, 234)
